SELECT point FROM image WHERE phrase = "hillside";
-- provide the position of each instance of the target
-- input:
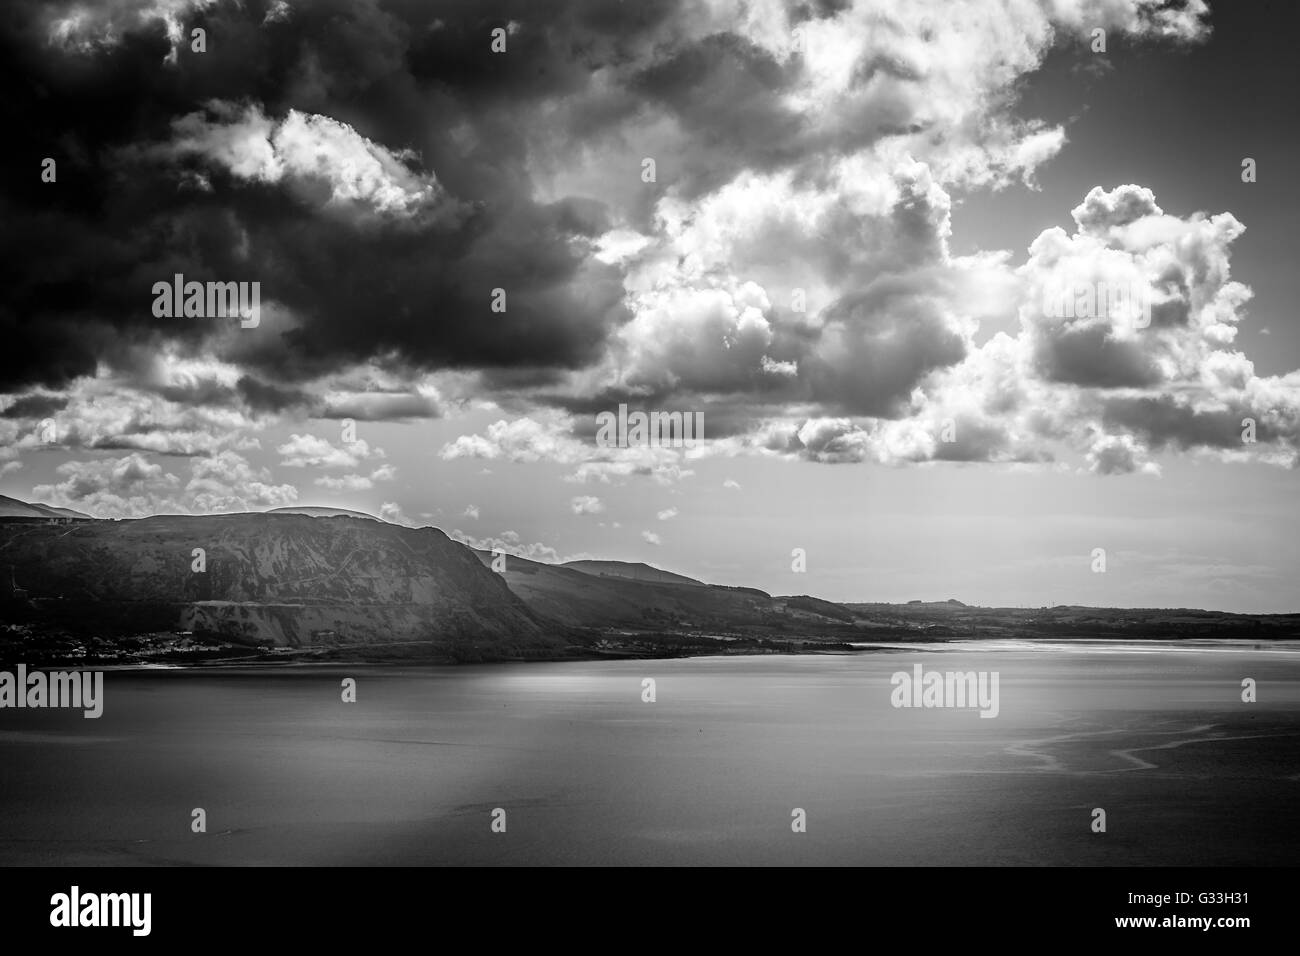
(13, 508)
(623, 596)
(633, 571)
(280, 579)
(565, 593)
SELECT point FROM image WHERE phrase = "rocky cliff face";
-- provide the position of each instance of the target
(291, 580)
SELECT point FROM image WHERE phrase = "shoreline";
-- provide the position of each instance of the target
(317, 659)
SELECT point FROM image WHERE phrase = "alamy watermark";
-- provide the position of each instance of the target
(208, 300)
(79, 689)
(75, 909)
(659, 429)
(954, 689)
(1122, 302)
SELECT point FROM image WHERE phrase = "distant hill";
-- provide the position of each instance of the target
(632, 570)
(953, 619)
(572, 596)
(65, 512)
(13, 508)
(666, 601)
(317, 511)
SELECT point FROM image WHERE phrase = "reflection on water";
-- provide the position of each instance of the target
(1154, 733)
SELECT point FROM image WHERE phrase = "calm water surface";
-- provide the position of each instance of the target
(1156, 734)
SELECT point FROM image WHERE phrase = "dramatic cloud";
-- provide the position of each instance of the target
(736, 209)
(318, 159)
(227, 482)
(551, 438)
(311, 451)
(128, 487)
(132, 487)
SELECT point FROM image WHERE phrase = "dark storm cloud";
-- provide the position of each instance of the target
(203, 391)
(80, 255)
(888, 338)
(725, 90)
(818, 9)
(35, 406)
(380, 172)
(203, 167)
(381, 406)
(261, 396)
(721, 418)
(1163, 422)
(1088, 355)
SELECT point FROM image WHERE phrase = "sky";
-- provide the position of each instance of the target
(830, 228)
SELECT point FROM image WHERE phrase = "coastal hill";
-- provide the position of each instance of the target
(286, 580)
(639, 596)
(326, 581)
